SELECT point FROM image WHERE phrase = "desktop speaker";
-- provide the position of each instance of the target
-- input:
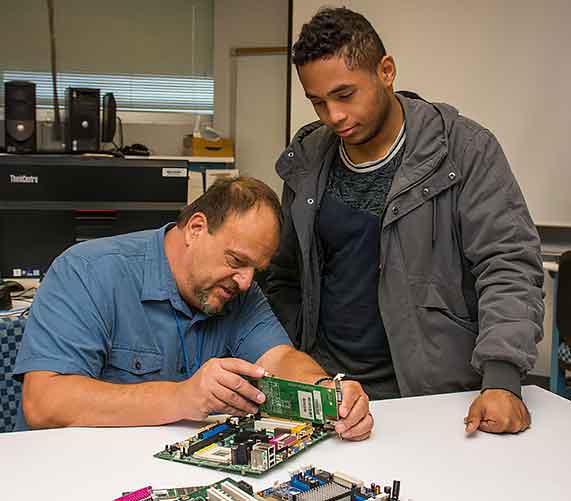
(82, 127)
(109, 118)
(20, 116)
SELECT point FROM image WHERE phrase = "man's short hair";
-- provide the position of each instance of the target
(231, 196)
(339, 32)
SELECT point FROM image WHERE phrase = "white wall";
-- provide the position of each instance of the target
(260, 81)
(243, 23)
(261, 116)
(110, 36)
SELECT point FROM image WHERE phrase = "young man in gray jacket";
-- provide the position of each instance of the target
(408, 258)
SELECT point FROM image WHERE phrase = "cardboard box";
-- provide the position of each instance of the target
(200, 147)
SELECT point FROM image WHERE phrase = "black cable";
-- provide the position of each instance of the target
(22, 294)
(120, 133)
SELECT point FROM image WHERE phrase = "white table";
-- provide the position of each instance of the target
(419, 441)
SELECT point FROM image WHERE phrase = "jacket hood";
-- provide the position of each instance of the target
(427, 128)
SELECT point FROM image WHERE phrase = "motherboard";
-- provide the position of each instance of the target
(305, 484)
(294, 417)
(312, 484)
(225, 490)
(250, 445)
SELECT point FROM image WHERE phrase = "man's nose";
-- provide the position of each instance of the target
(336, 113)
(244, 278)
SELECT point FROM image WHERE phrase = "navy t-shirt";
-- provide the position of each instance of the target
(352, 337)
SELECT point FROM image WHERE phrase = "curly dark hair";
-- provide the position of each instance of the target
(339, 32)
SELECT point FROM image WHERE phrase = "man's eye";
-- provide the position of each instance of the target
(233, 262)
(345, 96)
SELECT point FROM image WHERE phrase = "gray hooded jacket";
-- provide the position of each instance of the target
(460, 289)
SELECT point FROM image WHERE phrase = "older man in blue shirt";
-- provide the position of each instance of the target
(158, 326)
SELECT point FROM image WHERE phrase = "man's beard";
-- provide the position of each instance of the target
(203, 294)
(205, 306)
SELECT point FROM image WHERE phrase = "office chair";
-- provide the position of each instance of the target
(561, 349)
(11, 330)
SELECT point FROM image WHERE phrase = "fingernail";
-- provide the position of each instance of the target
(340, 428)
(260, 371)
(260, 397)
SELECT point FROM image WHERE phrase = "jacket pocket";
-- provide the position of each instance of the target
(448, 338)
(448, 303)
(131, 366)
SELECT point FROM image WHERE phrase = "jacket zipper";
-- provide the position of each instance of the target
(415, 184)
(398, 194)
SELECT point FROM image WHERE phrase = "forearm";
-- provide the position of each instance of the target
(288, 363)
(55, 400)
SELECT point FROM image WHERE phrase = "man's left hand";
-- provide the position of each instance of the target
(356, 422)
(497, 411)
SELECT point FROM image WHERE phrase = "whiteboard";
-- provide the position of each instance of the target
(261, 116)
(505, 64)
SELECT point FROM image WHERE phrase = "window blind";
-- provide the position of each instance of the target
(133, 92)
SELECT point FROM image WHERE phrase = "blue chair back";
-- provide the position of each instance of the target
(11, 330)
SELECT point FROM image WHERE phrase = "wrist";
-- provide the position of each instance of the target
(185, 401)
(500, 375)
(324, 379)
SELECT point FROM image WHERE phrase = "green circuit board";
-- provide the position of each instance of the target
(298, 401)
(250, 445)
(239, 491)
(295, 416)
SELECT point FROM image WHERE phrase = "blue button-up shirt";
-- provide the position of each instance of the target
(110, 309)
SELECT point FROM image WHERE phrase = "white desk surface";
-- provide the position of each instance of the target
(419, 441)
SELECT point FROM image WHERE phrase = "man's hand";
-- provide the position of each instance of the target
(356, 421)
(218, 387)
(497, 411)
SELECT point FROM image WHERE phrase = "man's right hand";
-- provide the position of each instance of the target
(217, 387)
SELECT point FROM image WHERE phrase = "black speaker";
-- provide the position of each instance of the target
(20, 116)
(109, 118)
(82, 127)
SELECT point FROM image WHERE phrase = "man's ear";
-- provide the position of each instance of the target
(195, 226)
(387, 70)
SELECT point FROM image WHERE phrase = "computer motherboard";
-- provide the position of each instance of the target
(294, 417)
(305, 484)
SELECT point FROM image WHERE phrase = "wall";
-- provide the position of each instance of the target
(247, 23)
(109, 36)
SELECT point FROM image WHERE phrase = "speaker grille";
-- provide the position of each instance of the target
(83, 119)
(20, 112)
